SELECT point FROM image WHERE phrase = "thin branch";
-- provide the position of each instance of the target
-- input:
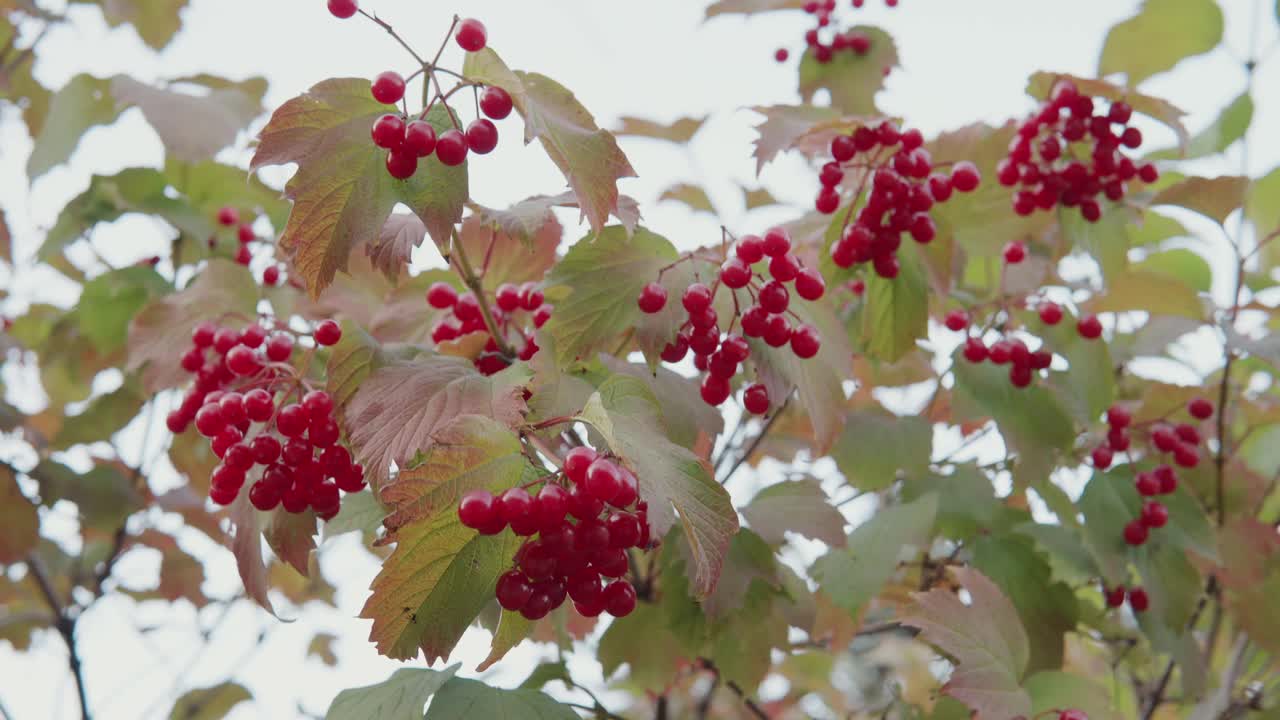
(755, 710)
(392, 32)
(459, 254)
(704, 705)
(65, 624)
(755, 442)
(1157, 695)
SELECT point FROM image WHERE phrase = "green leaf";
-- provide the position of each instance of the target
(749, 559)
(399, 697)
(1047, 609)
(1215, 198)
(1156, 228)
(19, 528)
(463, 699)
(972, 508)
(164, 325)
(1152, 292)
(1231, 125)
(512, 630)
(852, 79)
(1041, 84)
(360, 511)
(398, 408)
(292, 537)
(155, 21)
(798, 506)
(1264, 204)
(876, 445)
(896, 311)
(1185, 265)
(1029, 418)
(1163, 33)
(342, 192)
(104, 417)
(1107, 240)
(441, 573)
(1087, 388)
(686, 416)
(741, 646)
(1059, 690)
(588, 156)
(986, 641)
(854, 574)
(211, 703)
(627, 415)
(595, 286)
(210, 185)
(1108, 503)
(85, 101)
(223, 111)
(109, 302)
(544, 673)
(645, 643)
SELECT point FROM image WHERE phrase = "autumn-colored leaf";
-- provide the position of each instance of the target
(211, 703)
(155, 21)
(588, 156)
(1230, 125)
(1215, 198)
(785, 125)
(691, 196)
(512, 630)
(527, 218)
(504, 258)
(626, 414)
(19, 530)
(164, 326)
(442, 574)
(393, 249)
(246, 544)
(342, 193)
(397, 409)
(292, 537)
(679, 131)
(985, 639)
(223, 111)
(798, 506)
(321, 646)
(751, 7)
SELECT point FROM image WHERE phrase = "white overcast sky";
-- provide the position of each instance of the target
(962, 61)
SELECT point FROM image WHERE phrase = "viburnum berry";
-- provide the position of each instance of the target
(471, 35)
(419, 138)
(228, 216)
(956, 320)
(805, 341)
(1154, 514)
(750, 249)
(388, 131)
(1147, 484)
(343, 9)
(1167, 478)
(974, 350)
(781, 55)
(327, 333)
(1015, 252)
(476, 510)
(388, 87)
(776, 242)
(1089, 327)
(279, 347)
(482, 136)
(1200, 408)
(1138, 599)
(1102, 457)
(451, 147)
(1135, 533)
(441, 295)
(1114, 596)
(1073, 714)
(756, 399)
(401, 164)
(809, 284)
(495, 103)
(1050, 313)
(271, 275)
(653, 297)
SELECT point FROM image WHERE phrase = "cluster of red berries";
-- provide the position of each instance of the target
(854, 41)
(719, 355)
(1022, 361)
(408, 142)
(1069, 152)
(465, 316)
(1115, 597)
(230, 217)
(233, 402)
(903, 189)
(583, 535)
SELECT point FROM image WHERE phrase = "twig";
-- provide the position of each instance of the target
(473, 281)
(704, 705)
(755, 710)
(1157, 695)
(392, 32)
(65, 624)
(755, 442)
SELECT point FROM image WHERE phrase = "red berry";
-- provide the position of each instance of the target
(957, 320)
(1015, 252)
(619, 598)
(805, 341)
(1147, 484)
(624, 529)
(1167, 478)
(223, 495)
(1050, 313)
(441, 295)
(696, 298)
(515, 505)
(328, 333)
(228, 216)
(756, 399)
(530, 296)
(750, 249)
(785, 267)
(777, 331)
(482, 136)
(974, 350)
(508, 297)
(828, 201)
(1118, 439)
(604, 479)
(781, 55)
(576, 462)
(292, 420)
(1089, 327)
(1114, 596)
(1164, 438)
(279, 347)
(495, 102)
(388, 131)
(1102, 457)
(1186, 456)
(244, 233)
(1079, 714)
(1148, 173)
(735, 273)
(451, 147)
(419, 138)
(388, 87)
(244, 255)
(513, 590)
(271, 276)
(1200, 408)
(754, 321)
(1020, 375)
(964, 176)
(776, 242)
(471, 35)
(477, 509)
(1154, 514)
(1135, 533)
(773, 297)
(1187, 433)
(264, 496)
(715, 389)
(1118, 416)
(653, 297)
(809, 283)
(401, 164)
(343, 9)
(843, 148)
(1138, 600)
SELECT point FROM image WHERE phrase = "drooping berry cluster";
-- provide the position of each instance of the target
(1013, 351)
(823, 12)
(509, 305)
(1070, 152)
(904, 187)
(583, 534)
(1180, 440)
(246, 237)
(719, 354)
(1115, 597)
(239, 401)
(408, 140)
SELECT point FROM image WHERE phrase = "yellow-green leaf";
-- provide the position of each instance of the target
(1231, 125)
(85, 101)
(211, 703)
(399, 697)
(852, 79)
(1153, 292)
(1215, 198)
(1163, 33)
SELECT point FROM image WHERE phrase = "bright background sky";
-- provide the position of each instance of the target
(962, 61)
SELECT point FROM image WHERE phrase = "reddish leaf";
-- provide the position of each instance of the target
(527, 218)
(507, 258)
(588, 156)
(292, 537)
(785, 125)
(20, 522)
(392, 251)
(399, 407)
(342, 193)
(246, 544)
(680, 131)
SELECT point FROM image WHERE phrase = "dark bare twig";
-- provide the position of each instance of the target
(755, 442)
(65, 624)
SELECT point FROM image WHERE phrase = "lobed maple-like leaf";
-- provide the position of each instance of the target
(986, 640)
(224, 110)
(441, 573)
(785, 125)
(160, 331)
(396, 411)
(1215, 198)
(341, 192)
(627, 415)
(588, 156)
(506, 258)
(751, 7)
(209, 703)
(798, 506)
(527, 218)
(691, 196)
(1159, 36)
(82, 103)
(851, 79)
